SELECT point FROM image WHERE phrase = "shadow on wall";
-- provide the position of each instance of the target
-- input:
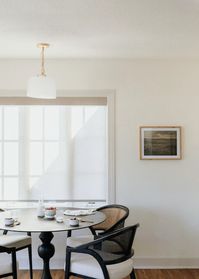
(164, 234)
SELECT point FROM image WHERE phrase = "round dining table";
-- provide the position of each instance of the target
(29, 222)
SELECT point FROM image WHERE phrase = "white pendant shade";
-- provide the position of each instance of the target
(41, 87)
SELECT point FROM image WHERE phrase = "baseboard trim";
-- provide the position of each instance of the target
(142, 263)
(166, 263)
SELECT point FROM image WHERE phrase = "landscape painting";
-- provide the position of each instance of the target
(160, 142)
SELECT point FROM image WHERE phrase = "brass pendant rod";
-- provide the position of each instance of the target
(43, 46)
(43, 73)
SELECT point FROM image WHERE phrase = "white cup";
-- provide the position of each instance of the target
(74, 222)
(9, 221)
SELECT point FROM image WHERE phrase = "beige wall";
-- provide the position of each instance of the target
(162, 195)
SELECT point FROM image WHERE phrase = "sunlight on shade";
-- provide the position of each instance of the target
(79, 116)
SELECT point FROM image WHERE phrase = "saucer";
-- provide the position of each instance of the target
(49, 217)
(16, 223)
(74, 226)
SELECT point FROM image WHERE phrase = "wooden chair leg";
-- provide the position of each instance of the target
(133, 275)
(14, 264)
(30, 261)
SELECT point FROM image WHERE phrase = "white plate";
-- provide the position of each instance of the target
(82, 212)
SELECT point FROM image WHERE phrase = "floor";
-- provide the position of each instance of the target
(141, 274)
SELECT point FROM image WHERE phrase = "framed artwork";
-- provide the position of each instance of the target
(160, 142)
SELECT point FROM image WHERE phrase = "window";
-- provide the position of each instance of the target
(55, 152)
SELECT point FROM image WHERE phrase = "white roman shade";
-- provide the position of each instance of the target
(53, 149)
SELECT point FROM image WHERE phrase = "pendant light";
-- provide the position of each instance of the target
(41, 86)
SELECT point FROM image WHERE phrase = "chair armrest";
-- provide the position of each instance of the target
(102, 262)
(99, 239)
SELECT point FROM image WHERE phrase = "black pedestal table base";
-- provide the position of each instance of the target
(46, 250)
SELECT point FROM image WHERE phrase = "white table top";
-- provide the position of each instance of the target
(29, 222)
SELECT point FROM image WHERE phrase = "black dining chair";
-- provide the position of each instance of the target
(108, 257)
(13, 242)
(116, 215)
(8, 267)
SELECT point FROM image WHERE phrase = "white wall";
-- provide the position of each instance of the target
(163, 196)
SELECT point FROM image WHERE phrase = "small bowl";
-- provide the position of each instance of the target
(9, 221)
(50, 212)
(59, 219)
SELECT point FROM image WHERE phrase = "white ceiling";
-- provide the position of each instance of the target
(100, 28)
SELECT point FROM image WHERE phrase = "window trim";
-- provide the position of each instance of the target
(99, 101)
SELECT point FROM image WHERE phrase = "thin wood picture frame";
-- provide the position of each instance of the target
(160, 143)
